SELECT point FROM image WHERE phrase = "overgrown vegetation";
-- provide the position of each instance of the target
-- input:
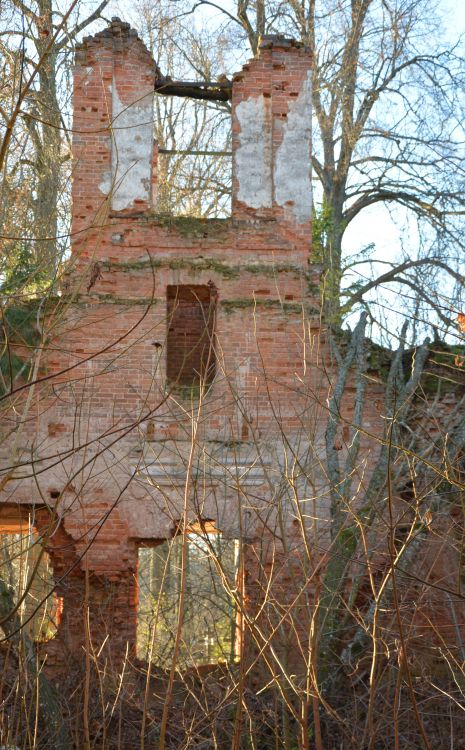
(333, 614)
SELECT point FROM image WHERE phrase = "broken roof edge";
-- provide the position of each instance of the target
(221, 90)
(120, 33)
(279, 41)
(116, 29)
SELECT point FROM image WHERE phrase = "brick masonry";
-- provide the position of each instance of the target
(114, 434)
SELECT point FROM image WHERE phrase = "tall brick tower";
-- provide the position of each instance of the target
(187, 389)
(170, 324)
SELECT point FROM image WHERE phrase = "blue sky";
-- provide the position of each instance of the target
(374, 225)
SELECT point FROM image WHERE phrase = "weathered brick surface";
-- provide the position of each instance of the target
(114, 436)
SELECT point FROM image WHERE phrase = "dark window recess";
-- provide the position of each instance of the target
(191, 334)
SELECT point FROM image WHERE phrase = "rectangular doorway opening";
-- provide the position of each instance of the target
(27, 579)
(211, 619)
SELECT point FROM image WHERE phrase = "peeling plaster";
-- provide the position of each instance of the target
(89, 70)
(292, 168)
(131, 152)
(253, 157)
(105, 183)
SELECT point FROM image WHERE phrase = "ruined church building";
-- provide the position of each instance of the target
(189, 377)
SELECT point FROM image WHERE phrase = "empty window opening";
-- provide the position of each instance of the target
(194, 171)
(210, 623)
(191, 311)
(194, 184)
(27, 580)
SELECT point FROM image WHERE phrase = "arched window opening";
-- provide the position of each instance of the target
(210, 622)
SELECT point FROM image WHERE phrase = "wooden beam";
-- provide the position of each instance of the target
(218, 91)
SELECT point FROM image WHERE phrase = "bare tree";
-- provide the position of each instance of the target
(334, 581)
(387, 113)
(36, 54)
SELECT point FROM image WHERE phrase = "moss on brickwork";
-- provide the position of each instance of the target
(445, 369)
(195, 264)
(111, 299)
(191, 226)
(270, 270)
(227, 270)
(130, 265)
(229, 305)
(204, 264)
(379, 360)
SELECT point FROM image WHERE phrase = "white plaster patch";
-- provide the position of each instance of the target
(131, 153)
(292, 169)
(253, 157)
(106, 182)
(89, 72)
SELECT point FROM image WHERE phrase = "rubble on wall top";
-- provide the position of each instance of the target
(116, 30)
(120, 28)
(268, 41)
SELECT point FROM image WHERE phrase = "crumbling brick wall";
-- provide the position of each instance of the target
(111, 413)
(122, 433)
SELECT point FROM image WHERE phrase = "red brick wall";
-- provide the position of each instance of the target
(113, 342)
(108, 423)
(278, 75)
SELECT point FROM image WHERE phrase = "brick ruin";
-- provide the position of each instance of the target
(165, 314)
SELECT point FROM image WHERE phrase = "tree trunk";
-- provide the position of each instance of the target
(48, 166)
(332, 257)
